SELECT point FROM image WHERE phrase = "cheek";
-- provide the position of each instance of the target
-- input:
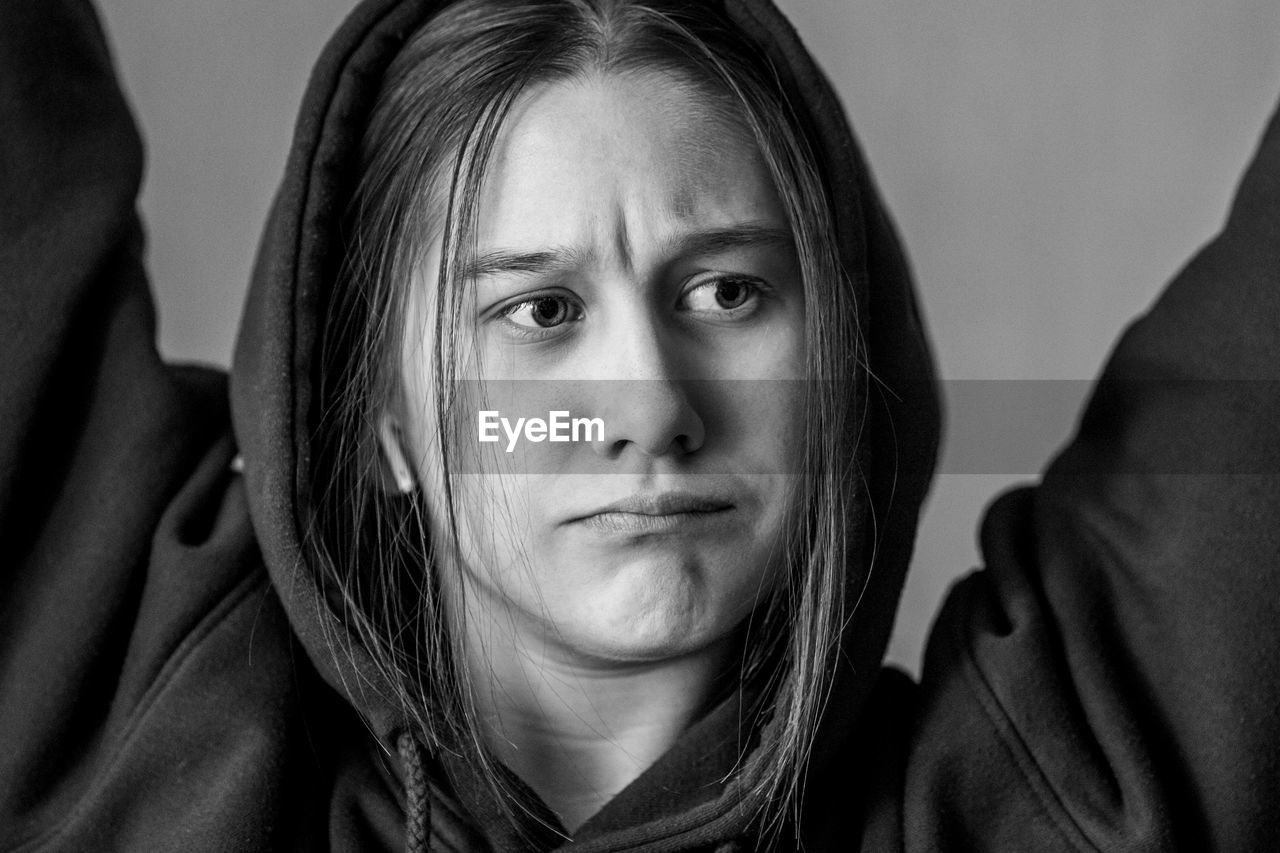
(496, 520)
(779, 404)
(755, 427)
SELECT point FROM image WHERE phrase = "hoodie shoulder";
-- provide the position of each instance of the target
(147, 694)
(1108, 681)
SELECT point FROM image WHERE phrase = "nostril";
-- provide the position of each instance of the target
(651, 418)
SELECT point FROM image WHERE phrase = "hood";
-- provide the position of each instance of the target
(273, 374)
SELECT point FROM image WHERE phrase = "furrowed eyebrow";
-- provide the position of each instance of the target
(519, 263)
(736, 237)
(695, 244)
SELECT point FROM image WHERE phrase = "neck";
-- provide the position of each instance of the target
(579, 730)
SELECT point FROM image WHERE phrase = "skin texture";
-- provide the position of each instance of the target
(633, 257)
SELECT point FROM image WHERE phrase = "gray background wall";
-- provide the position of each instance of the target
(1050, 166)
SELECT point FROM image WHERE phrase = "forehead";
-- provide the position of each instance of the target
(643, 154)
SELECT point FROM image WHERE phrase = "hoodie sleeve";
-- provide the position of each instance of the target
(134, 614)
(1111, 680)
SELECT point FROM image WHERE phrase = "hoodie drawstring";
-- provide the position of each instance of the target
(417, 822)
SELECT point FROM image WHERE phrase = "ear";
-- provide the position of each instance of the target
(397, 473)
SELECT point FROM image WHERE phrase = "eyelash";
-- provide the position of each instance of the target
(757, 290)
(537, 333)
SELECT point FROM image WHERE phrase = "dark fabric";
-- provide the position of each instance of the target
(131, 712)
(1107, 682)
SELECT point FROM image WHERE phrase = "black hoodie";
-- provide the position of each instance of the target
(1110, 680)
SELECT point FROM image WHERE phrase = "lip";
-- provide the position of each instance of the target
(656, 513)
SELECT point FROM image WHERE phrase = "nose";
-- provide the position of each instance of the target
(645, 399)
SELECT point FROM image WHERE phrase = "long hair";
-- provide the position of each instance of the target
(424, 154)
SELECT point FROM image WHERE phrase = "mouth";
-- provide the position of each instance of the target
(656, 513)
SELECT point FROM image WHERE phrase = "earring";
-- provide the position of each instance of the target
(404, 482)
(394, 455)
(401, 474)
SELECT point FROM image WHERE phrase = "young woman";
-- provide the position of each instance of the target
(580, 418)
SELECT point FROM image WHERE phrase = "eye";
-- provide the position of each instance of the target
(726, 296)
(545, 311)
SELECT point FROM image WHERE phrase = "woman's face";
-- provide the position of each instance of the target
(634, 266)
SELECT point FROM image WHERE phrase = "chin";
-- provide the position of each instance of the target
(654, 610)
